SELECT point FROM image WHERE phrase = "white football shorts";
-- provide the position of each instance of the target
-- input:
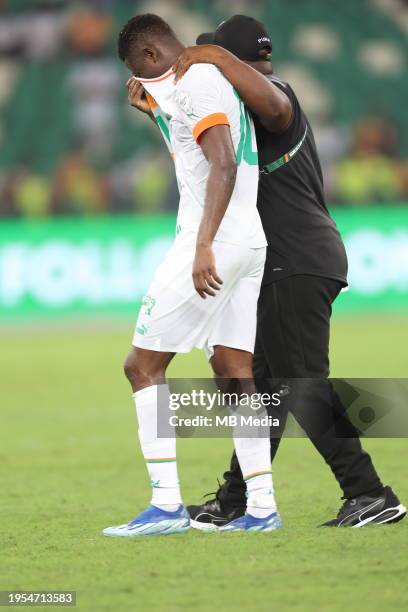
(175, 319)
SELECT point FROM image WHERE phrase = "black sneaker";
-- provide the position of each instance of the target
(366, 510)
(211, 515)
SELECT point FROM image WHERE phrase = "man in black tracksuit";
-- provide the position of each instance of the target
(306, 268)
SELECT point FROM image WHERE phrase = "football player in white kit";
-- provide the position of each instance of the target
(204, 294)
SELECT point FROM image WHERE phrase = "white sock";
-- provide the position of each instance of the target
(254, 456)
(159, 453)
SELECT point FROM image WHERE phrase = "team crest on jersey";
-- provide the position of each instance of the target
(185, 102)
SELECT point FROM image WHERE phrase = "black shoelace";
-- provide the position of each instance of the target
(215, 494)
(345, 507)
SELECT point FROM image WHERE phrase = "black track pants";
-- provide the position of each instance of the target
(293, 343)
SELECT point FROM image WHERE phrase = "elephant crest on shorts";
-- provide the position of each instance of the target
(149, 303)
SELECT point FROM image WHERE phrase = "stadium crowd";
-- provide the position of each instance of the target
(70, 144)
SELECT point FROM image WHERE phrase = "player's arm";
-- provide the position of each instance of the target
(261, 96)
(218, 148)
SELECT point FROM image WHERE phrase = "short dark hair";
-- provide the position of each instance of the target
(138, 27)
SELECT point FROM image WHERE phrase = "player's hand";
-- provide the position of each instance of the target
(199, 54)
(137, 96)
(205, 278)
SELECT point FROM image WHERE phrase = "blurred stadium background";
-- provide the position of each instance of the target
(87, 209)
(87, 190)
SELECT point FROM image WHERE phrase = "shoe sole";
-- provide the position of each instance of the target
(251, 530)
(147, 535)
(390, 515)
(210, 528)
(165, 532)
(203, 526)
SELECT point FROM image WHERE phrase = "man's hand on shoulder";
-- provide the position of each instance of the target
(198, 54)
(259, 94)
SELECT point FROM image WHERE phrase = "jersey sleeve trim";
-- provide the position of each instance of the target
(208, 122)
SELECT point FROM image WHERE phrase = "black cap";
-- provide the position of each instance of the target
(244, 36)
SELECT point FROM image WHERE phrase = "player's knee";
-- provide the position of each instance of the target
(137, 375)
(230, 363)
(140, 373)
(236, 373)
(226, 368)
(130, 367)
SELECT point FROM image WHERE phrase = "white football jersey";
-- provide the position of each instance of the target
(201, 99)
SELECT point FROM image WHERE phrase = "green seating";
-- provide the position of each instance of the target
(39, 114)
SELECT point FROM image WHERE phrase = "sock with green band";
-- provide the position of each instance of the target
(159, 453)
(254, 456)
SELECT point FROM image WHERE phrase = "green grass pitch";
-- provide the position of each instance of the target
(70, 465)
